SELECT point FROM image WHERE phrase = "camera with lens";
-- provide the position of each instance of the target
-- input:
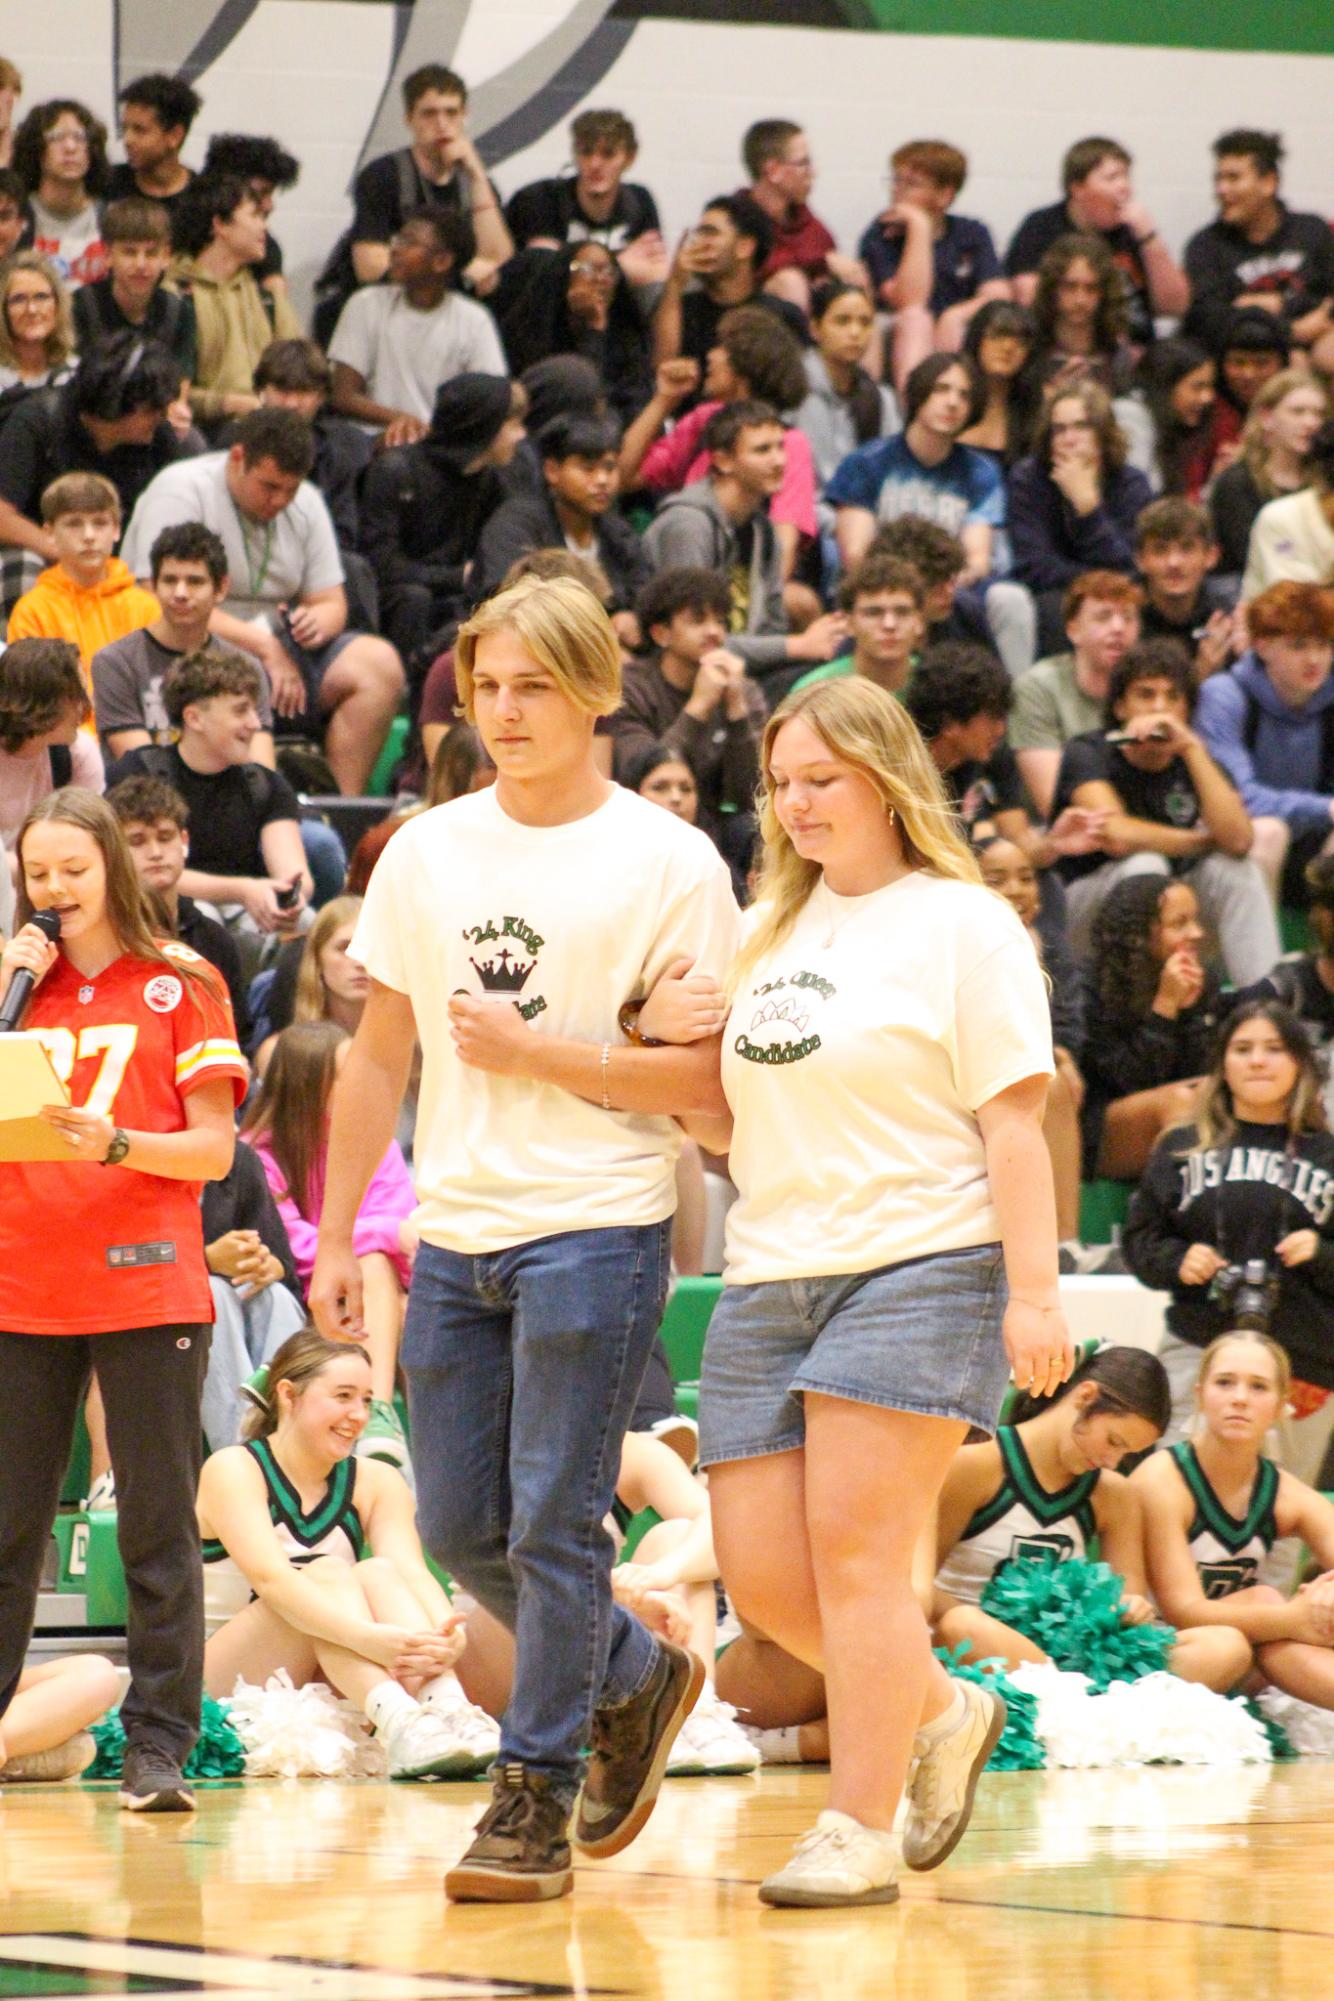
(1247, 1294)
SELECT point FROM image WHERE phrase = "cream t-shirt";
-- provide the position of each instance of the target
(855, 1057)
(569, 922)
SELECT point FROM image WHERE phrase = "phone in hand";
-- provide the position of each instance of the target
(286, 899)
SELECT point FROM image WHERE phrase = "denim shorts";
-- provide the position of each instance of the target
(313, 663)
(922, 1336)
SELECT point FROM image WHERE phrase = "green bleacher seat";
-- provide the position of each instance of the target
(387, 762)
(1294, 929)
(104, 1578)
(71, 1534)
(685, 1323)
(1102, 1209)
(77, 1473)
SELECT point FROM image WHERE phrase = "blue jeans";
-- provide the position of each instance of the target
(325, 858)
(523, 1367)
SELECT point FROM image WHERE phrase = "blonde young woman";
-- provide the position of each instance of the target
(1275, 443)
(886, 1059)
(1214, 1506)
(312, 1565)
(36, 325)
(328, 985)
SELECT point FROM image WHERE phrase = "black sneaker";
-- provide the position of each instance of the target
(520, 1853)
(629, 1750)
(152, 1782)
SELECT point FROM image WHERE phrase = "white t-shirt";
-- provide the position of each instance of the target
(269, 562)
(404, 355)
(855, 1057)
(570, 921)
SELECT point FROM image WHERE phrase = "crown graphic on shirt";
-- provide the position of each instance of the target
(791, 1011)
(503, 974)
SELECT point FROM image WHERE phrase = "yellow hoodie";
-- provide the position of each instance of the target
(91, 615)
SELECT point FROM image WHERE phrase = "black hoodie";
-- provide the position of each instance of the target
(1240, 1198)
(422, 511)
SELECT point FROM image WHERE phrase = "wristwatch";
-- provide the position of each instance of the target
(119, 1147)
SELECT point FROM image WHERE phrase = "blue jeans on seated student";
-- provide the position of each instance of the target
(246, 1332)
(326, 859)
(523, 1367)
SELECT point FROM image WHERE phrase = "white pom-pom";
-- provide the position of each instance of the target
(1310, 1729)
(301, 1733)
(1156, 1720)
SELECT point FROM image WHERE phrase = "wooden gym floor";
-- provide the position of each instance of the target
(1148, 1885)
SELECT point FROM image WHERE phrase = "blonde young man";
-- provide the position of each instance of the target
(505, 931)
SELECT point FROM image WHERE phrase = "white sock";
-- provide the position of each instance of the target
(386, 1703)
(442, 1691)
(777, 1747)
(949, 1719)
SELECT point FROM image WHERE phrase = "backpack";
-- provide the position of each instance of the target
(338, 280)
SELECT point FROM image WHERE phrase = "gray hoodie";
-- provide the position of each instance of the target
(691, 530)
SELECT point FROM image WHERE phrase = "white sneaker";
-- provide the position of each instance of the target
(101, 1496)
(384, 1438)
(943, 1778)
(426, 1745)
(711, 1740)
(469, 1725)
(62, 1761)
(838, 1862)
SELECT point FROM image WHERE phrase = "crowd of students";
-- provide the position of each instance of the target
(1073, 509)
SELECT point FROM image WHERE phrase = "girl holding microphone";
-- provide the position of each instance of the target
(102, 1261)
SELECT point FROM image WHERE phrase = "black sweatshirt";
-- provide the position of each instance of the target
(1241, 1198)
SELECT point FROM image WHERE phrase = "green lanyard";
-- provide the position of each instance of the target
(256, 583)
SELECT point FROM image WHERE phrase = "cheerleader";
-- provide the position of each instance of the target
(1214, 1506)
(1041, 1491)
(312, 1564)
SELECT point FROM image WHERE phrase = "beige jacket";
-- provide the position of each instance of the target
(236, 320)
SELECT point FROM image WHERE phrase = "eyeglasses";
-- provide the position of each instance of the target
(25, 301)
(591, 268)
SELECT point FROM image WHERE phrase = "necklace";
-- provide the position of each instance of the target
(834, 922)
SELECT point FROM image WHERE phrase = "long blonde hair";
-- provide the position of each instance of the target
(867, 729)
(1254, 443)
(310, 1002)
(128, 910)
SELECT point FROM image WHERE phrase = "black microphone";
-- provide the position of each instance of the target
(20, 987)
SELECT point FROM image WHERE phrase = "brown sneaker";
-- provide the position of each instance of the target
(628, 1753)
(519, 1853)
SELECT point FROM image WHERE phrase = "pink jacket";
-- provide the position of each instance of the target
(676, 460)
(387, 1201)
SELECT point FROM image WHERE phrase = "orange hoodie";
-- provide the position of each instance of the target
(59, 608)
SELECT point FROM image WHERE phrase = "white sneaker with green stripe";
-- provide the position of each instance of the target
(384, 1438)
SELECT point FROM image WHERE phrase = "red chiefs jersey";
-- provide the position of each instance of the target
(85, 1249)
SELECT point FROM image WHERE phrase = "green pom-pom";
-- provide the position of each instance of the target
(218, 1753)
(1073, 1612)
(1020, 1748)
(1280, 1744)
(109, 1737)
